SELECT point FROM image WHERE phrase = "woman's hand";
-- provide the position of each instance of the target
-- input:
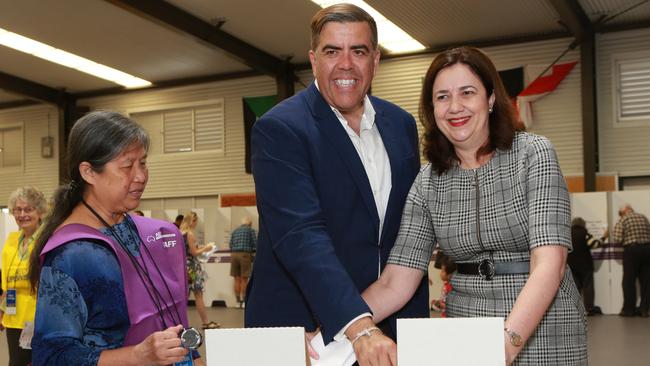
(511, 351)
(161, 348)
(208, 247)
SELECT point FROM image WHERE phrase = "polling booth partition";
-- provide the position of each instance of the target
(600, 211)
(214, 227)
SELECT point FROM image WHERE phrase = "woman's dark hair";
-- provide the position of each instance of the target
(579, 221)
(502, 124)
(96, 138)
(442, 260)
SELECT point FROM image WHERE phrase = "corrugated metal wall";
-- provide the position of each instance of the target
(36, 170)
(624, 149)
(557, 116)
(197, 173)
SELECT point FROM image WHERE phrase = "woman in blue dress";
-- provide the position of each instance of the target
(111, 287)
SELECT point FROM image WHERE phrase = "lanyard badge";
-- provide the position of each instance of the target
(10, 308)
(187, 361)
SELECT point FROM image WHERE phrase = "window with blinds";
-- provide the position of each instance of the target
(632, 88)
(178, 130)
(11, 147)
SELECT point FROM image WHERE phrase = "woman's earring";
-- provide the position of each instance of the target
(490, 109)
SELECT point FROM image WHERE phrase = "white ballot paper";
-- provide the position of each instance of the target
(256, 347)
(336, 353)
(450, 341)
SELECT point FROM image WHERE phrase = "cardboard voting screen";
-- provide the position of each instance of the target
(450, 341)
(255, 347)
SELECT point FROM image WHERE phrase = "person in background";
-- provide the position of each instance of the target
(582, 264)
(332, 167)
(112, 288)
(632, 231)
(178, 220)
(27, 205)
(243, 241)
(195, 273)
(495, 200)
(137, 212)
(447, 268)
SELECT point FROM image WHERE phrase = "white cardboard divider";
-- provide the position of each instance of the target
(256, 347)
(450, 341)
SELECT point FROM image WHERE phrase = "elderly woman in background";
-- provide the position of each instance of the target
(27, 205)
(195, 273)
(495, 200)
(112, 288)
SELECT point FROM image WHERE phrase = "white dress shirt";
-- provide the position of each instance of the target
(374, 158)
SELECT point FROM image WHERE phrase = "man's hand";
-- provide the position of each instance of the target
(374, 349)
(308, 337)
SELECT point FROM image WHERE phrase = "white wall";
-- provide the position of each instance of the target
(196, 173)
(7, 225)
(36, 170)
(623, 149)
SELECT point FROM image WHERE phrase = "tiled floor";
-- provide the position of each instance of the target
(612, 340)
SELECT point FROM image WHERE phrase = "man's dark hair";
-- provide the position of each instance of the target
(341, 13)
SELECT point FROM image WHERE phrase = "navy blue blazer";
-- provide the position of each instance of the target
(319, 244)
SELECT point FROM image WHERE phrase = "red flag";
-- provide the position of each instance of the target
(539, 88)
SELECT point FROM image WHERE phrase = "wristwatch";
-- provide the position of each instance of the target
(515, 339)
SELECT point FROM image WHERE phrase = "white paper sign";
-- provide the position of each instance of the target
(450, 341)
(256, 347)
(336, 353)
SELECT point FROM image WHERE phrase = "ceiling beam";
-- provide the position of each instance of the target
(574, 18)
(623, 27)
(472, 43)
(170, 84)
(32, 90)
(18, 103)
(178, 19)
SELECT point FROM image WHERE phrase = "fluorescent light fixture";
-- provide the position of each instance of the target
(391, 37)
(61, 57)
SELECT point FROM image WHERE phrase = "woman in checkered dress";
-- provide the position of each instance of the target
(490, 195)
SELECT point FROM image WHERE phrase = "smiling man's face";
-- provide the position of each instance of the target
(344, 63)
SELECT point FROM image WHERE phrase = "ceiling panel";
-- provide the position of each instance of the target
(598, 9)
(107, 34)
(437, 23)
(47, 73)
(279, 27)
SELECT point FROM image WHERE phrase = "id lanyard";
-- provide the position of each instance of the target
(11, 307)
(190, 337)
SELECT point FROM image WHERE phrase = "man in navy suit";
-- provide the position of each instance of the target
(332, 169)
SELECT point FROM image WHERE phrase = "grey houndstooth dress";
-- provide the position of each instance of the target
(514, 203)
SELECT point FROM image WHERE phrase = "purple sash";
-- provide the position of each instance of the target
(166, 246)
